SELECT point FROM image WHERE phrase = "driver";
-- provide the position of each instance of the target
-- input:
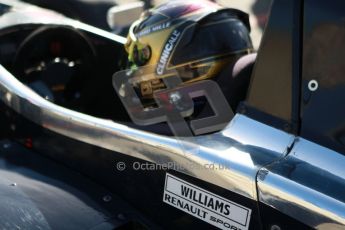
(198, 40)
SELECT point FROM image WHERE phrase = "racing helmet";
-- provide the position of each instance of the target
(196, 38)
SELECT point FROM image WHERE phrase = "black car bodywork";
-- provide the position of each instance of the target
(60, 167)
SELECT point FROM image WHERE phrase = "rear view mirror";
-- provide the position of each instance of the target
(121, 17)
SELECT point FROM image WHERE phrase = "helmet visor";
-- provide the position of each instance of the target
(215, 39)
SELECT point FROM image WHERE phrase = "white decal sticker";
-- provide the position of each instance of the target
(168, 48)
(205, 205)
(153, 29)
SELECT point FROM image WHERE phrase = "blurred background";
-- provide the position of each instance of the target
(257, 9)
(94, 12)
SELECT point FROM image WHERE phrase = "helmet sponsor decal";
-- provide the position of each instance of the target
(168, 48)
(205, 205)
(152, 29)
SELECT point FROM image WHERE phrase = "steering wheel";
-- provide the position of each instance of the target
(56, 62)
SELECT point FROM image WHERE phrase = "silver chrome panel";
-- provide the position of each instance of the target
(308, 185)
(241, 149)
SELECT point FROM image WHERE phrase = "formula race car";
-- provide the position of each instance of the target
(72, 155)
